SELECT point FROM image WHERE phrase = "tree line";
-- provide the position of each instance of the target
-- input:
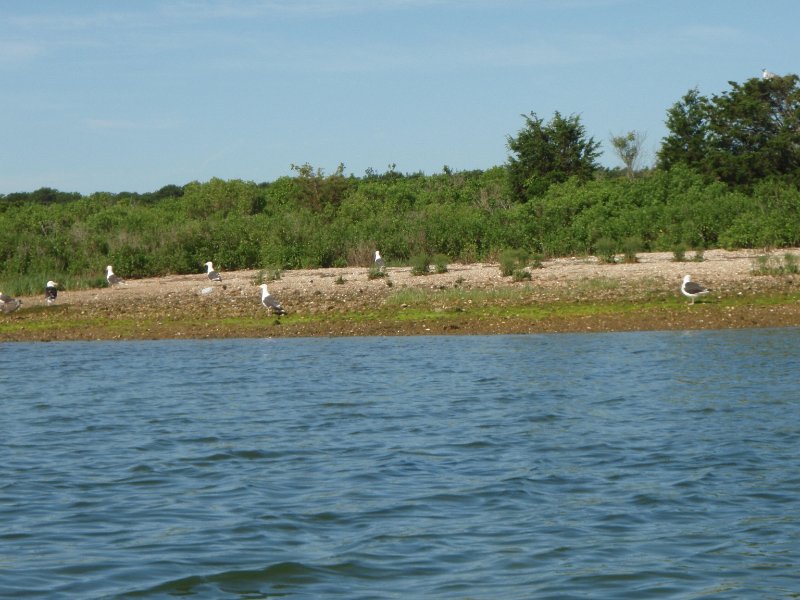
(726, 176)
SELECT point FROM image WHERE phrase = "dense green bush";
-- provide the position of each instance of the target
(314, 220)
(512, 261)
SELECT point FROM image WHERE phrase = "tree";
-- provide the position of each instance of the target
(741, 136)
(548, 153)
(755, 130)
(316, 190)
(628, 148)
(687, 121)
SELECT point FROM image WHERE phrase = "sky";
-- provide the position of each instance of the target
(133, 95)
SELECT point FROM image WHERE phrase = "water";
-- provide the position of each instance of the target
(635, 465)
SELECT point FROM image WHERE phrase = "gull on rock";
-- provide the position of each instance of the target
(767, 74)
(269, 302)
(692, 289)
(112, 278)
(50, 292)
(8, 304)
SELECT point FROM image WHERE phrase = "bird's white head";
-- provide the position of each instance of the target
(51, 284)
(377, 254)
(109, 269)
(210, 266)
(263, 287)
(687, 278)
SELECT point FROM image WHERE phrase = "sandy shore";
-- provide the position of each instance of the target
(566, 294)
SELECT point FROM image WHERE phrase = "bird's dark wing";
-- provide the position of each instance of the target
(692, 287)
(273, 304)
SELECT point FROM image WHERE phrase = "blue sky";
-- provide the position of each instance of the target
(132, 95)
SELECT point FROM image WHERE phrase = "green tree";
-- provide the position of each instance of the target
(687, 142)
(628, 148)
(755, 130)
(741, 136)
(548, 153)
(316, 190)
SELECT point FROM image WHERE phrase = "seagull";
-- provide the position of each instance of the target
(111, 278)
(269, 302)
(50, 292)
(767, 74)
(212, 274)
(9, 304)
(692, 290)
(379, 261)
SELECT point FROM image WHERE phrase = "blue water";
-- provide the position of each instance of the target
(633, 465)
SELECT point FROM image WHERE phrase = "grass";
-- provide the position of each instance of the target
(406, 312)
(268, 274)
(776, 266)
(32, 285)
(425, 296)
(597, 284)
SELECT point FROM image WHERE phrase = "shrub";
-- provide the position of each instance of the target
(420, 264)
(375, 273)
(679, 252)
(606, 250)
(268, 274)
(512, 260)
(772, 265)
(521, 275)
(440, 262)
(630, 247)
(790, 264)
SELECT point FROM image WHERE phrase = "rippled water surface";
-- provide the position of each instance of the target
(635, 465)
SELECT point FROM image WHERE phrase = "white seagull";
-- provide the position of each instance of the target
(50, 292)
(212, 274)
(379, 260)
(767, 74)
(691, 289)
(269, 302)
(8, 304)
(111, 278)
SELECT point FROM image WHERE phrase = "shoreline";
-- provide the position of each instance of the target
(565, 295)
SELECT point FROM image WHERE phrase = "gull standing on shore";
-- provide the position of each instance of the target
(269, 302)
(691, 289)
(212, 274)
(112, 278)
(8, 304)
(379, 261)
(50, 292)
